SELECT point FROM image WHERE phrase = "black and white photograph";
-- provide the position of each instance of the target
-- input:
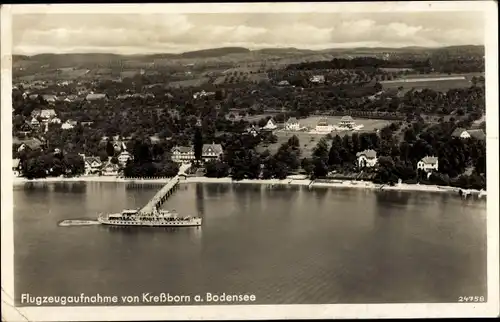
(249, 161)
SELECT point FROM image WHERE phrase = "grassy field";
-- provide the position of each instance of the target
(307, 142)
(437, 82)
(189, 82)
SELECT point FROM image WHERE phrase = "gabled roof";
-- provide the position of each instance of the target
(91, 160)
(477, 134)
(429, 160)
(347, 118)
(212, 148)
(183, 149)
(25, 127)
(32, 143)
(458, 131)
(292, 120)
(369, 154)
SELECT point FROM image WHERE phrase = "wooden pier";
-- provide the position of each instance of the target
(162, 195)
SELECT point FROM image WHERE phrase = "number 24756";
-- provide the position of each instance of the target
(473, 299)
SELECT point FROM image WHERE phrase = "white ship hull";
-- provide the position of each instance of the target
(153, 221)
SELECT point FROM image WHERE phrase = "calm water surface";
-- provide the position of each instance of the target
(286, 245)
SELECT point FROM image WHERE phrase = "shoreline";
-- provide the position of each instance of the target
(272, 182)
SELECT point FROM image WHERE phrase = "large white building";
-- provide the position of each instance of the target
(428, 164)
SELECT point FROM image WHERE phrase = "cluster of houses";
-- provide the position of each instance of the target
(94, 165)
(41, 118)
(346, 123)
(368, 159)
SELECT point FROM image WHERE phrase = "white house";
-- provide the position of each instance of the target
(292, 124)
(124, 157)
(428, 163)
(48, 113)
(319, 79)
(96, 97)
(68, 125)
(367, 158)
(270, 125)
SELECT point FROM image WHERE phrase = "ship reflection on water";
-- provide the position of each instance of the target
(136, 230)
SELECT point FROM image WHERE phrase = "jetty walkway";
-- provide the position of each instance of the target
(162, 195)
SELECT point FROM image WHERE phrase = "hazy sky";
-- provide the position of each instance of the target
(148, 33)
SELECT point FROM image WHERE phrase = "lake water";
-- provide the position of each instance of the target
(285, 245)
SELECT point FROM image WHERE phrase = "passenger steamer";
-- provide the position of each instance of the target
(158, 218)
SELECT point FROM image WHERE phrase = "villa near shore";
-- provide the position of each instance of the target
(367, 158)
(185, 154)
(428, 164)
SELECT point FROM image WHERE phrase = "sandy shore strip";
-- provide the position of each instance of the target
(270, 182)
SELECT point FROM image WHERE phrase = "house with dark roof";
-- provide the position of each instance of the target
(25, 128)
(123, 158)
(29, 144)
(323, 126)
(211, 152)
(428, 164)
(182, 154)
(93, 165)
(367, 158)
(253, 130)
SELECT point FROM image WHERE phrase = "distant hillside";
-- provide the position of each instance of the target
(215, 52)
(221, 56)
